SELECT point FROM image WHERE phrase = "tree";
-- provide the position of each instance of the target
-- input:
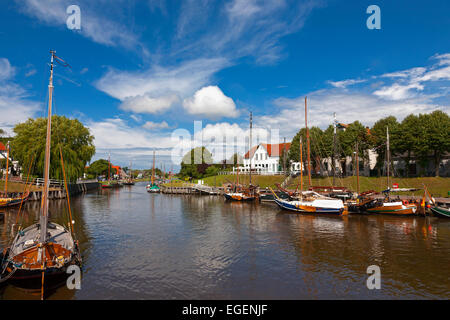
(195, 163)
(99, 167)
(2, 132)
(434, 137)
(410, 137)
(68, 134)
(378, 133)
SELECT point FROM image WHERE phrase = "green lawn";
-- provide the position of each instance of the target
(438, 187)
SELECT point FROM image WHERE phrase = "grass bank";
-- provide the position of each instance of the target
(439, 187)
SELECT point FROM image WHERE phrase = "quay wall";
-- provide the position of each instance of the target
(74, 189)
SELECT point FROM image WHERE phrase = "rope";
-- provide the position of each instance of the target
(8, 276)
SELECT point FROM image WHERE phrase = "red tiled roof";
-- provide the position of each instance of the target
(274, 150)
(2, 147)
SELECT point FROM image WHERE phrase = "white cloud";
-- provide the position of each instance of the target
(147, 104)
(6, 70)
(345, 83)
(95, 26)
(158, 88)
(15, 107)
(212, 103)
(150, 125)
(398, 91)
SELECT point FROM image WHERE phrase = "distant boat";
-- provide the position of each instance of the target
(13, 199)
(388, 206)
(110, 184)
(40, 254)
(129, 181)
(152, 187)
(312, 202)
(10, 199)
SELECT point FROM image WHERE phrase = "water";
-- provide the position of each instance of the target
(137, 245)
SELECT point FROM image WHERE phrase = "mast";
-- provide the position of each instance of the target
(357, 167)
(301, 167)
(307, 143)
(44, 206)
(109, 166)
(388, 156)
(250, 146)
(284, 155)
(153, 169)
(7, 167)
(334, 150)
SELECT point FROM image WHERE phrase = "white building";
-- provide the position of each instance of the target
(265, 159)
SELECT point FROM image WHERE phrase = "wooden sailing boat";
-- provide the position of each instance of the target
(239, 192)
(109, 184)
(11, 199)
(42, 252)
(439, 211)
(310, 201)
(129, 181)
(387, 206)
(152, 187)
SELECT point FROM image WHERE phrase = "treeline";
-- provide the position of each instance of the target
(423, 137)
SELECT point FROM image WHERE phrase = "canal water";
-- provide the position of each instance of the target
(137, 245)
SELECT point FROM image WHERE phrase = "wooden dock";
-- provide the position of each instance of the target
(192, 189)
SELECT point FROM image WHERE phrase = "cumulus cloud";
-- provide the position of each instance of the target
(6, 70)
(15, 105)
(150, 125)
(158, 88)
(147, 104)
(212, 103)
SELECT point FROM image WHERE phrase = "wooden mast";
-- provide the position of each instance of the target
(109, 167)
(7, 167)
(250, 147)
(44, 206)
(307, 143)
(388, 158)
(301, 167)
(357, 167)
(153, 168)
(334, 150)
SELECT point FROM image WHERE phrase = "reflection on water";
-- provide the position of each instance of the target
(137, 245)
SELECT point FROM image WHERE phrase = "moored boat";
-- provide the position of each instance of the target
(13, 199)
(440, 211)
(395, 207)
(40, 254)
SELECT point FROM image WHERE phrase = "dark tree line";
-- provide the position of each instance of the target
(421, 137)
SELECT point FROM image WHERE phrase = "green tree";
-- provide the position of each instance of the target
(434, 137)
(408, 139)
(195, 163)
(70, 135)
(378, 133)
(99, 167)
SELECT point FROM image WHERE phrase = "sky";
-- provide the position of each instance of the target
(169, 75)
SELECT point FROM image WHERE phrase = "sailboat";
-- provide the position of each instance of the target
(310, 201)
(109, 184)
(152, 187)
(239, 192)
(42, 252)
(11, 199)
(388, 206)
(129, 181)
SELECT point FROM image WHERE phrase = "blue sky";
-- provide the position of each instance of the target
(142, 69)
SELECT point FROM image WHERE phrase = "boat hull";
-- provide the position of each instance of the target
(303, 208)
(238, 197)
(13, 201)
(441, 212)
(396, 209)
